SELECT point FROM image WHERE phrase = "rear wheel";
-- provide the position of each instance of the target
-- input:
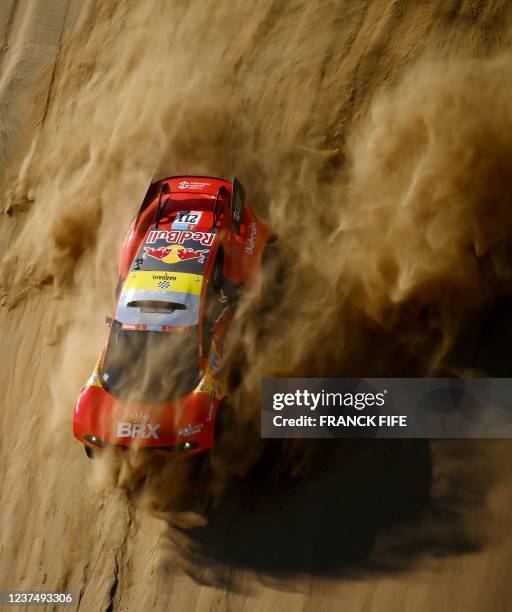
(273, 276)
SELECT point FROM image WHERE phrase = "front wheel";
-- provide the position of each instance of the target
(89, 452)
(227, 425)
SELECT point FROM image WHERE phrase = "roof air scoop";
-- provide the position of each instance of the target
(158, 306)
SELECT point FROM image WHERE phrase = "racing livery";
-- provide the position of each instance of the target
(158, 383)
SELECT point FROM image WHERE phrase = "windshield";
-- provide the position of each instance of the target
(150, 367)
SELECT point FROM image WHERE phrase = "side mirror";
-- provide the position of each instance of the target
(108, 320)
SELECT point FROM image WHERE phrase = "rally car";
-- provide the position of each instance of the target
(192, 249)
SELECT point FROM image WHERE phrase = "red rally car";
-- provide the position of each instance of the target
(193, 246)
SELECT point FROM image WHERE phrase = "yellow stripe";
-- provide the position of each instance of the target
(94, 379)
(183, 282)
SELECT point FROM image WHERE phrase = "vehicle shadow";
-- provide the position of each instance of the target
(325, 525)
(383, 509)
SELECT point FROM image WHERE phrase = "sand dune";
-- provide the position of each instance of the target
(376, 137)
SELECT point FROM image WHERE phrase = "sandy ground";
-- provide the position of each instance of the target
(97, 97)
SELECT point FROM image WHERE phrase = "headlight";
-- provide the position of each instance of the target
(177, 448)
(94, 440)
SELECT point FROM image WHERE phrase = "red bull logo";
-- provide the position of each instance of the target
(179, 237)
(176, 253)
(159, 253)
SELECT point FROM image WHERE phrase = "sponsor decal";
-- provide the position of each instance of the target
(210, 386)
(193, 185)
(212, 407)
(236, 208)
(147, 280)
(204, 385)
(139, 427)
(176, 253)
(179, 237)
(164, 277)
(175, 329)
(135, 326)
(191, 430)
(159, 253)
(189, 253)
(185, 219)
(188, 216)
(164, 284)
(251, 241)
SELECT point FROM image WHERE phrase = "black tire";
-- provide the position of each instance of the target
(219, 282)
(222, 420)
(272, 261)
(89, 452)
(273, 279)
(217, 274)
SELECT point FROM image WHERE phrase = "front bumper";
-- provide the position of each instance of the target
(102, 421)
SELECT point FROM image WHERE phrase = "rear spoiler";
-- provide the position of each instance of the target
(151, 193)
(163, 189)
(157, 188)
(237, 203)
